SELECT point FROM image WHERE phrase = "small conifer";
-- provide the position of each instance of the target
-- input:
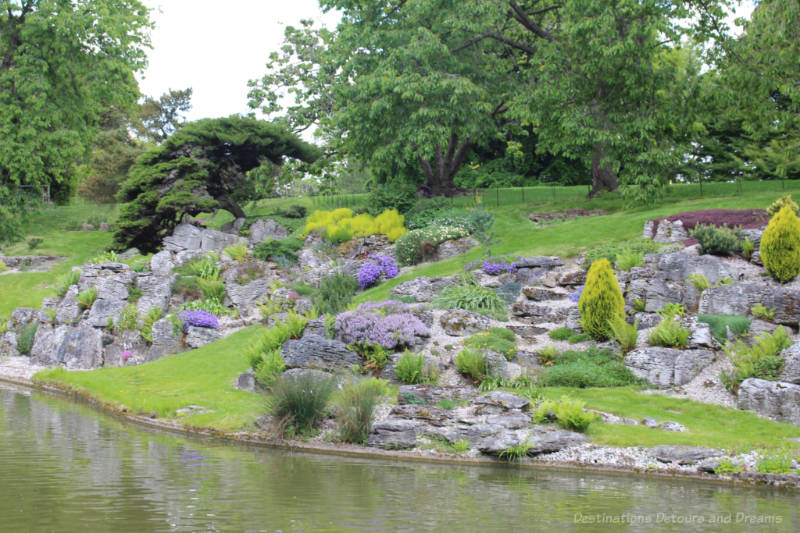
(601, 300)
(780, 245)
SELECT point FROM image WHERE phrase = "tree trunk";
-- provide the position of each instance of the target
(439, 177)
(225, 202)
(603, 177)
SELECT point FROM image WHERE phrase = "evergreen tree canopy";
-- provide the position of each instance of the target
(201, 167)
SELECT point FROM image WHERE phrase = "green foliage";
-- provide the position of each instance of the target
(560, 334)
(760, 359)
(700, 282)
(473, 363)
(748, 247)
(461, 445)
(590, 368)
(470, 295)
(129, 319)
(625, 334)
(152, 316)
(106, 257)
(612, 252)
(718, 240)
(638, 305)
(548, 355)
(356, 405)
(376, 355)
(778, 204)
(500, 340)
(669, 333)
(273, 249)
(515, 452)
(203, 267)
(726, 466)
(292, 211)
(212, 289)
(67, 281)
(720, 324)
(330, 325)
(628, 259)
(134, 293)
(335, 293)
(412, 368)
(237, 252)
(671, 309)
(51, 313)
(569, 413)
(775, 464)
(3, 266)
(164, 184)
(398, 195)
(86, 298)
(212, 305)
(66, 65)
(780, 245)
(34, 242)
(270, 367)
(300, 402)
(759, 311)
(600, 300)
(25, 337)
(420, 244)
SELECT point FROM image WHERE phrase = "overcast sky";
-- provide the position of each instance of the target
(215, 47)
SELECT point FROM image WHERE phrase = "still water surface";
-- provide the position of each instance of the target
(64, 467)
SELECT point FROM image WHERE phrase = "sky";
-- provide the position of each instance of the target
(216, 47)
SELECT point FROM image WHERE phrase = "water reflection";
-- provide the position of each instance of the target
(67, 468)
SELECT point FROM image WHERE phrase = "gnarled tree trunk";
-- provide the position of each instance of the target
(439, 176)
(603, 177)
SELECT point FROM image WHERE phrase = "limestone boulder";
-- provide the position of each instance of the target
(460, 322)
(184, 237)
(261, 230)
(79, 347)
(166, 341)
(774, 399)
(321, 353)
(421, 289)
(667, 367)
(197, 337)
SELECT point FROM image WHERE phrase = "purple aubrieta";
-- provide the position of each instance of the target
(201, 319)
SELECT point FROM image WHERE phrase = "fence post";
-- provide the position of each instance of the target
(554, 193)
(497, 196)
(701, 187)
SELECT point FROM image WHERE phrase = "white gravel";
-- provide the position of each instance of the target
(18, 368)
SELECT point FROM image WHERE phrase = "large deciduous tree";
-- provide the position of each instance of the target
(201, 167)
(61, 65)
(159, 118)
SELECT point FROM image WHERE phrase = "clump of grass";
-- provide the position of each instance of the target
(470, 295)
(461, 445)
(589, 368)
(759, 311)
(356, 406)
(203, 267)
(67, 281)
(335, 293)
(560, 334)
(515, 452)
(569, 414)
(775, 464)
(212, 289)
(413, 369)
(129, 319)
(500, 340)
(720, 324)
(761, 359)
(669, 333)
(300, 402)
(87, 298)
(237, 252)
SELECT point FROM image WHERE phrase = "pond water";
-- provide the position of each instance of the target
(64, 467)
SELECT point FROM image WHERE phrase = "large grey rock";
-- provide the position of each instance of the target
(700, 335)
(247, 381)
(423, 413)
(554, 441)
(166, 341)
(655, 293)
(261, 230)
(186, 256)
(450, 249)
(667, 231)
(233, 226)
(421, 289)
(245, 297)
(542, 294)
(432, 394)
(78, 347)
(8, 344)
(460, 322)
(216, 241)
(197, 336)
(666, 367)
(104, 310)
(393, 434)
(491, 438)
(184, 237)
(682, 455)
(791, 366)
(314, 351)
(68, 309)
(541, 312)
(24, 315)
(775, 399)
(161, 264)
(308, 258)
(156, 291)
(130, 341)
(505, 400)
(500, 367)
(737, 299)
(540, 261)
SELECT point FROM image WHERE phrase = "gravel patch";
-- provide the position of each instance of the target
(18, 368)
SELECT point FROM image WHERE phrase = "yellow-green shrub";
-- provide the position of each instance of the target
(341, 222)
(601, 300)
(780, 245)
(784, 200)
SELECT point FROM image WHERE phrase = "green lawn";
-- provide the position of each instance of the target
(26, 289)
(199, 377)
(709, 425)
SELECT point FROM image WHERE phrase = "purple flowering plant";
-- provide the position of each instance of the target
(375, 323)
(371, 272)
(201, 319)
(576, 296)
(127, 354)
(495, 265)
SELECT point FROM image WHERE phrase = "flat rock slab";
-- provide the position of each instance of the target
(393, 434)
(682, 455)
(432, 394)
(421, 289)
(666, 367)
(505, 400)
(774, 399)
(321, 353)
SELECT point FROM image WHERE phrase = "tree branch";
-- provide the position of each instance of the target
(523, 18)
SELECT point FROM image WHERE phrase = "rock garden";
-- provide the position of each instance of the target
(705, 307)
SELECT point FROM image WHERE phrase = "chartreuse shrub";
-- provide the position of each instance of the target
(339, 223)
(780, 203)
(760, 359)
(601, 300)
(780, 245)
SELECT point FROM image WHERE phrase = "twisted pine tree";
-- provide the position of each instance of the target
(201, 167)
